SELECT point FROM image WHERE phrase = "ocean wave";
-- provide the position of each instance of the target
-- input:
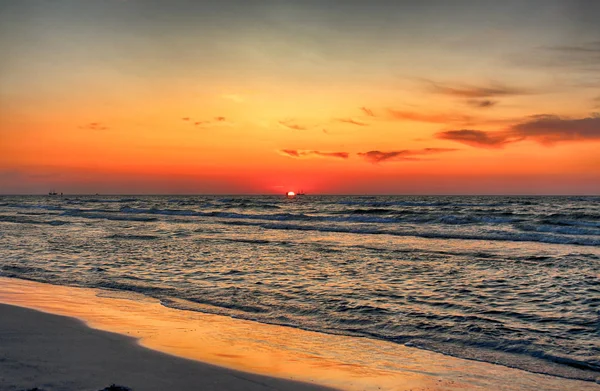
(19, 219)
(34, 206)
(514, 237)
(565, 229)
(376, 204)
(84, 200)
(370, 211)
(449, 203)
(565, 222)
(133, 237)
(106, 215)
(356, 216)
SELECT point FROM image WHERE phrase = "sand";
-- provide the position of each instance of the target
(153, 347)
(60, 353)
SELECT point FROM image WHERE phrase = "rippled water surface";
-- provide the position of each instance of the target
(513, 280)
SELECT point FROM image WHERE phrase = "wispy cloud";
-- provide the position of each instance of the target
(405, 154)
(300, 153)
(544, 129)
(368, 112)
(476, 138)
(438, 118)
(469, 91)
(292, 124)
(352, 121)
(587, 53)
(216, 121)
(549, 129)
(583, 57)
(481, 103)
(93, 126)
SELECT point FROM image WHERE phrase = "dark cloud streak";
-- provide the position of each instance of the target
(544, 129)
(481, 103)
(401, 155)
(432, 118)
(475, 138)
(290, 124)
(299, 153)
(368, 112)
(464, 91)
(352, 122)
(205, 123)
(94, 126)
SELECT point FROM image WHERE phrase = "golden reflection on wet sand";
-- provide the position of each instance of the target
(337, 361)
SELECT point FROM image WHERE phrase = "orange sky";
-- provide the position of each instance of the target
(144, 97)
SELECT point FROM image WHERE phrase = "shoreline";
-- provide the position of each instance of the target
(63, 353)
(280, 352)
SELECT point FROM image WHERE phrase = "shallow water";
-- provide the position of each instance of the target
(513, 280)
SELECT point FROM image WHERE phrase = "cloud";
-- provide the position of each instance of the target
(550, 129)
(583, 57)
(475, 138)
(299, 153)
(481, 103)
(216, 121)
(466, 91)
(433, 118)
(585, 54)
(291, 124)
(93, 126)
(592, 48)
(405, 154)
(368, 112)
(352, 121)
(544, 129)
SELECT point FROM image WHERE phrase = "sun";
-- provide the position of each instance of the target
(290, 194)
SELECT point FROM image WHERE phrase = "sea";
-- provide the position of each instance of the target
(508, 280)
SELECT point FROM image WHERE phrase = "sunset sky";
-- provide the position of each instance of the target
(330, 96)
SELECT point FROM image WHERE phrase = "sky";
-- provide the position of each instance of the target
(328, 97)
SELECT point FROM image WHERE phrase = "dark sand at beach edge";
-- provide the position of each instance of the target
(57, 353)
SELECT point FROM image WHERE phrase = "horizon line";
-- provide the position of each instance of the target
(305, 195)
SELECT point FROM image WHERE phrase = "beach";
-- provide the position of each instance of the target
(60, 353)
(146, 346)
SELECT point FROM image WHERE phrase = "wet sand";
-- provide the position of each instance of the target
(61, 353)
